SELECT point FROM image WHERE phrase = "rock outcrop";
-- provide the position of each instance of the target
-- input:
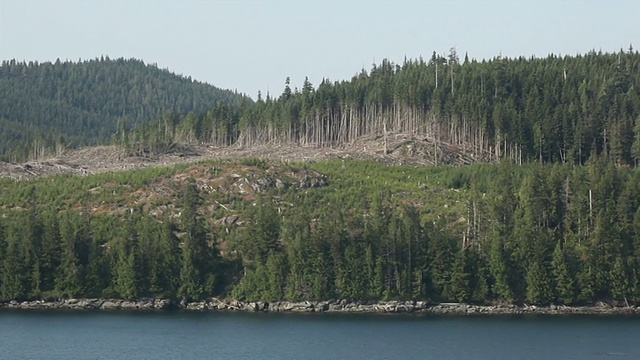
(330, 306)
(90, 304)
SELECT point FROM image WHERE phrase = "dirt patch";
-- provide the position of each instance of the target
(397, 149)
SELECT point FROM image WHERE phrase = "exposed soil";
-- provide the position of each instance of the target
(398, 149)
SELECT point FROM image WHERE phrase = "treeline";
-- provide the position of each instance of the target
(554, 109)
(535, 234)
(46, 107)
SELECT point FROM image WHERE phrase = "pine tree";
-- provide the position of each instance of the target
(14, 272)
(276, 269)
(635, 148)
(69, 275)
(480, 291)
(189, 286)
(620, 285)
(562, 279)
(125, 275)
(457, 289)
(192, 246)
(538, 284)
(378, 287)
(50, 251)
(165, 262)
(499, 270)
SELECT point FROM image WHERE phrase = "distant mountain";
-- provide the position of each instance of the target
(83, 102)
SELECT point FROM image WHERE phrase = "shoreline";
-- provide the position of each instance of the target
(330, 306)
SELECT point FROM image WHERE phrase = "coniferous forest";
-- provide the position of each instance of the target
(555, 109)
(554, 219)
(47, 107)
(537, 233)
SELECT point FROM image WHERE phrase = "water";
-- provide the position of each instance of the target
(195, 335)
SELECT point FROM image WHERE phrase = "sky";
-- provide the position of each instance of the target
(254, 45)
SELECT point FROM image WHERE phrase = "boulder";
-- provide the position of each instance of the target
(111, 304)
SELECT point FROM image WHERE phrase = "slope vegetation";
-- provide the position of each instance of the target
(272, 230)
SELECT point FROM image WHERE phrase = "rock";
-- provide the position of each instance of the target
(235, 305)
(280, 185)
(27, 305)
(266, 182)
(322, 306)
(128, 305)
(213, 303)
(340, 306)
(302, 307)
(111, 304)
(252, 306)
(286, 306)
(162, 304)
(86, 304)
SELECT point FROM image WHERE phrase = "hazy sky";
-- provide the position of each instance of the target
(255, 45)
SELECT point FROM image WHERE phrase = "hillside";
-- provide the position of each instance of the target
(68, 104)
(274, 229)
(531, 193)
(397, 149)
(553, 109)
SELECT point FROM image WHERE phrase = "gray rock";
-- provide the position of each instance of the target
(111, 304)
(280, 185)
(322, 306)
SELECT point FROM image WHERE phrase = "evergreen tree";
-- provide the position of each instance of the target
(50, 251)
(164, 264)
(125, 275)
(635, 148)
(15, 270)
(620, 285)
(458, 287)
(479, 282)
(499, 270)
(562, 278)
(198, 262)
(538, 284)
(276, 269)
(69, 274)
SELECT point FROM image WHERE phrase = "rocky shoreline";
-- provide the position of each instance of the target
(331, 306)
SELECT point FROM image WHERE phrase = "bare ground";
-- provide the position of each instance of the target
(398, 149)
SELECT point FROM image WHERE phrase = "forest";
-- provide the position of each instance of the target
(554, 109)
(492, 233)
(554, 218)
(48, 107)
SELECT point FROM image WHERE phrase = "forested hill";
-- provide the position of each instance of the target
(83, 101)
(553, 109)
(260, 230)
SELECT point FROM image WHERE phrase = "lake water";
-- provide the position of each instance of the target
(198, 335)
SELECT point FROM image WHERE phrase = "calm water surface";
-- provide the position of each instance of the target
(194, 335)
